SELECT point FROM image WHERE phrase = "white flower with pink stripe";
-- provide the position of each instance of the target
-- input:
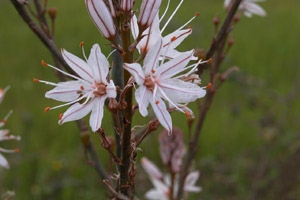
(87, 92)
(158, 82)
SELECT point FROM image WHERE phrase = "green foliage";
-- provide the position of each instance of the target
(253, 123)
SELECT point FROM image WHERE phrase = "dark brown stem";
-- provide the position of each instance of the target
(126, 136)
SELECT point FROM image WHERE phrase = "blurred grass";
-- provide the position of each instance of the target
(51, 164)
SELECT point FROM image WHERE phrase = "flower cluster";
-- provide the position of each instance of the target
(164, 76)
(4, 134)
(172, 150)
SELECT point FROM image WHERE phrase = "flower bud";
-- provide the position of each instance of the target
(102, 18)
(126, 5)
(149, 10)
(52, 13)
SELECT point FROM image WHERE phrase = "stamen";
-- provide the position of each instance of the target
(209, 86)
(47, 109)
(45, 82)
(4, 121)
(81, 87)
(60, 116)
(153, 71)
(157, 102)
(187, 114)
(36, 80)
(67, 74)
(194, 17)
(70, 103)
(113, 51)
(170, 18)
(209, 61)
(44, 63)
(17, 150)
(167, 8)
(6, 150)
(83, 52)
(81, 44)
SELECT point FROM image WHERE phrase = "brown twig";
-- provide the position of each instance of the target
(114, 192)
(215, 50)
(221, 34)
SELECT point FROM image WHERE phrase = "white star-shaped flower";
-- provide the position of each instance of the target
(161, 190)
(249, 7)
(88, 92)
(157, 83)
(153, 34)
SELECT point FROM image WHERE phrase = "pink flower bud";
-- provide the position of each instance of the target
(172, 149)
(149, 10)
(102, 17)
(126, 5)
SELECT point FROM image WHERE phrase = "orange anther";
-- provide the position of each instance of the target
(208, 86)
(61, 115)
(209, 61)
(187, 114)
(196, 14)
(173, 39)
(43, 63)
(36, 80)
(190, 27)
(81, 87)
(47, 109)
(157, 102)
(153, 71)
(81, 44)
(4, 121)
(17, 150)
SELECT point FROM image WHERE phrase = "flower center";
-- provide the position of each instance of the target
(101, 89)
(149, 83)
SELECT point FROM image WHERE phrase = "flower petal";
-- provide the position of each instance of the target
(136, 71)
(190, 182)
(97, 113)
(255, 9)
(182, 92)
(179, 37)
(162, 114)
(78, 65)
(3, 162)
(152, 57)
(151, 169)
(111, 90)
(99, 64)
(77, 111)
(175, 66)
(65, 91)
(134, 27)
(142, 96)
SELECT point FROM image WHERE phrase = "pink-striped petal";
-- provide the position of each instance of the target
(136, 71)
(99, 64)
(152, 58)
(76, 112)
(182, 92)
(78, 65)
(142, 96)
(97, 113)
(65, 91)
(162, 114)
(175, 66)
(3, 162)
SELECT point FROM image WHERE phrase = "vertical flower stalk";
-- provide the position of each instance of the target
(102, 18)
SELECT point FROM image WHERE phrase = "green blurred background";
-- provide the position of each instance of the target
(250, 146)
